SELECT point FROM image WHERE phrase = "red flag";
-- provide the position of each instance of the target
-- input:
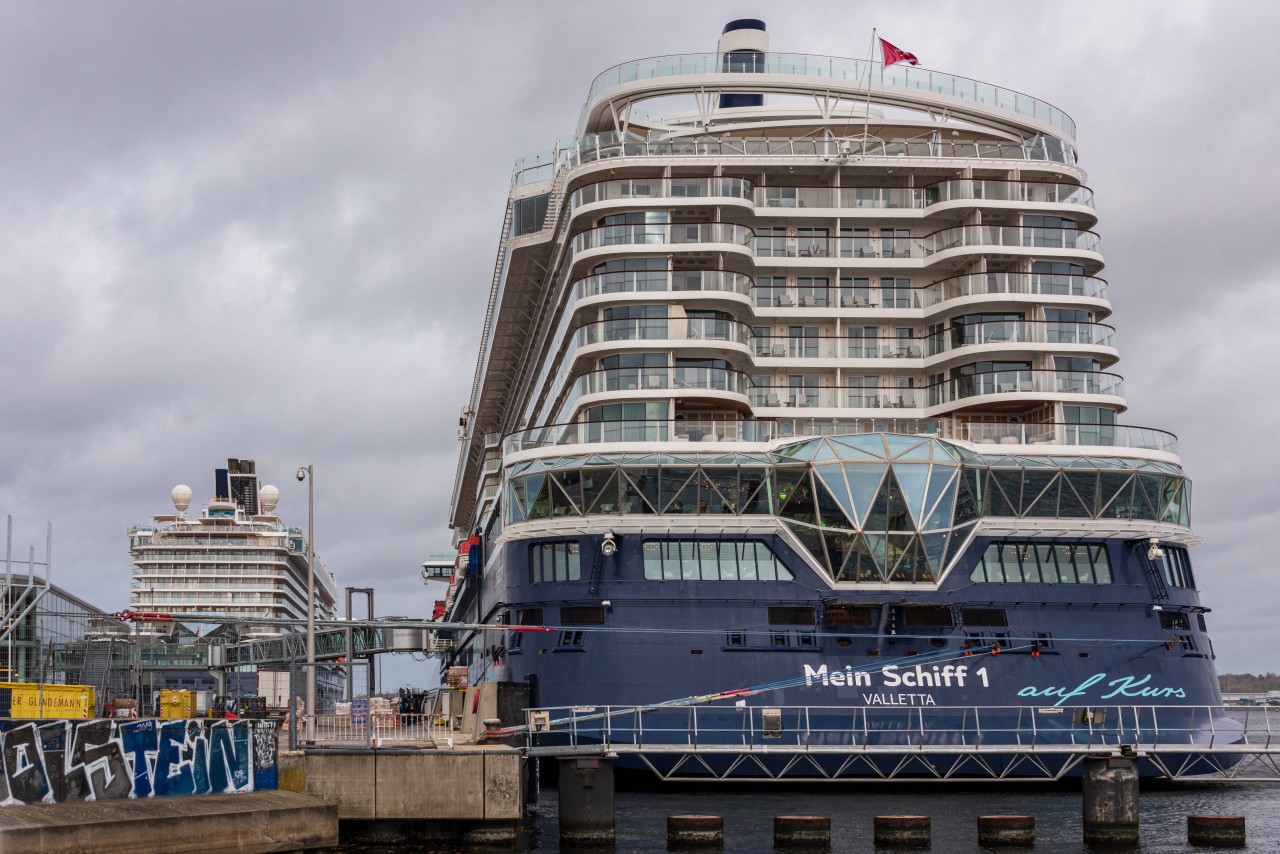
(893, 55)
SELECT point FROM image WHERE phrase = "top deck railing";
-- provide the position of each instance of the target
(833, 68)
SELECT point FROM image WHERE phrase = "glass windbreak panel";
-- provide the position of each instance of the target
(528, 215)
(625, 275)
(1048, 231)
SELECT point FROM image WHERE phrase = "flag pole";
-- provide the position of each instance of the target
(866, 115)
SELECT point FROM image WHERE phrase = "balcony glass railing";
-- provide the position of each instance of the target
(643, 281)
(1025, 382)
(769, 429)
(1036, 284)
(658, 379)
(1037, 237)
(640, 189)
(837, 68)
(651, 329)
(1020, 332)
(918, 198)
(833, 347)
(659, 234)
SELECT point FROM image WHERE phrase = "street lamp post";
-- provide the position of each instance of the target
(308, 474)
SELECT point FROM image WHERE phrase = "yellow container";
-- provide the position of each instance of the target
(31, 700)
(177, 704)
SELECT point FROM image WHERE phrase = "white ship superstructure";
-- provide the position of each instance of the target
(235, 559)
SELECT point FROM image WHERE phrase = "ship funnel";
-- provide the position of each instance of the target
(742, 48)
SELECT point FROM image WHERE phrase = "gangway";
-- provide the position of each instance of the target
(960, 744)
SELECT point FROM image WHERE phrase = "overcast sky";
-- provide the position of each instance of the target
(267, 230)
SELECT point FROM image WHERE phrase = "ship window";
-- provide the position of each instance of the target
(1176, 566)
(1174, 621)
(1200, 623)
(528, 215)
(790, 616)
(927, 616)
(555, 562)
(849, 615)
(712, 560)
(582, 615)
(572, 639)
(529, 617)
(1044, 562)
(984, 617)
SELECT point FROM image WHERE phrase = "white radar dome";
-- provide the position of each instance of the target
(269, 497)
(181, 496)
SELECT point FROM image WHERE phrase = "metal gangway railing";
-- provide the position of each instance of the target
(941, 742)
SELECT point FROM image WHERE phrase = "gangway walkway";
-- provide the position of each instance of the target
(797, 743)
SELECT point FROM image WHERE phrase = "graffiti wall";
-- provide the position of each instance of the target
(98, 760)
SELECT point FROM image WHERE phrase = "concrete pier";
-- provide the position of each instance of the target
(1110, 789)
(1006, 831)
(903, 831)
(247, 823)
(695, 831)
(801, 831)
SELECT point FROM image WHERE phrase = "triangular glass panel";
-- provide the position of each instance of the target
(1046, 505)
(674, 481)
(600, 490)
(1171, 499)
(562, 503)
(1185, 514)
(641, 459)
(1070, 504)
(799, 503)
(1107, 462)
(941, 515)
(860, 564)
(830, 509)
(839, 545)
(537, 465)
(957, 454)
(1035, 462)
(754, 491)
(889, 512)
(996, 502)
(1034, 483)
(565, 463)
(875, 546)
(802, 451)
(639, 495)
(905, 556)
(940, 479)
(898, 445)
(1081, 463)
(850, 452)
(959, 540)
(688, 498)
(967, 504)
(832, 477)
(935, 546)
(864, 483)
(868, 442)
(1115, 494)
(517, 469)
(538, 496)
(725, 497)
(1146, 496)
(1085, 484)
(811, 539)
(515, 502)
(913, 479)
(1010, 482)
(825, 453)
(921, 453)
(597, 460)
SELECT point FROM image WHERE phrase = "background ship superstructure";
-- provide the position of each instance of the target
(794, 364)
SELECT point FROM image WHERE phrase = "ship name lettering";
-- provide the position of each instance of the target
(1128, 686)
(899, 700)
(839, 678)
(918, 677)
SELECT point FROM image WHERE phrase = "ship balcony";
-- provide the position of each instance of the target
(694, 333)
(842, 398)
(1102, 388)
(988, 289)
(688, 382)
(1039, 241)
(720, 237)
(1095, 339)
(632, 284)
(766, 348)
(759, 72)
(638, 193)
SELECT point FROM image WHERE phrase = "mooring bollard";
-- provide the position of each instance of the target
(695, 831)
(903, 831)
(586, 801)
(1110, 788)
(801, 831)
(1216, 831)
(1006, 831)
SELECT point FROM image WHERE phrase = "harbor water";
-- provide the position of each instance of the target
(748, 816)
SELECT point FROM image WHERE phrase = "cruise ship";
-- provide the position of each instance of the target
(795, 389)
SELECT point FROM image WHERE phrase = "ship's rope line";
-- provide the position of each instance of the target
(742, 693)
